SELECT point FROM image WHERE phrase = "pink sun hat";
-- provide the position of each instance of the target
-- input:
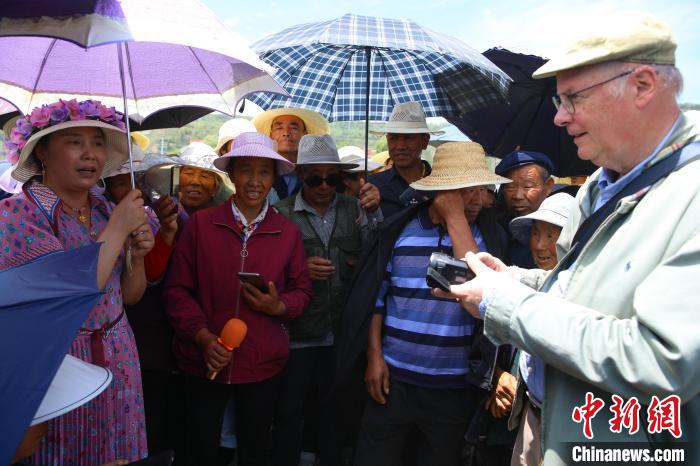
(255, 145)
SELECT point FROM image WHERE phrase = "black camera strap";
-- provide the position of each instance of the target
(647, 178)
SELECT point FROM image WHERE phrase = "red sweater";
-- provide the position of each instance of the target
(202, 290)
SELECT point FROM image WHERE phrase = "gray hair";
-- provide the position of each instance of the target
(669, 76)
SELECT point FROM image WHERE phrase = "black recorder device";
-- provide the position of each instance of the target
(445, 270)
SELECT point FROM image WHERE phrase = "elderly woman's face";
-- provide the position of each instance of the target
(543, 244)
(73, 158)
(197, 187)
(253, 178)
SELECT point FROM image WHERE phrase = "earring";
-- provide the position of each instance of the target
(43, 171)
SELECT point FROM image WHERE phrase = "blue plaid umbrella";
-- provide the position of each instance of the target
(324, 67)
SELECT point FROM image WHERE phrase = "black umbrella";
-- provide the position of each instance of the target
(527, 121)
(175, 117)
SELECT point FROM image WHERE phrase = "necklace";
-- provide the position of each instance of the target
(79, 212)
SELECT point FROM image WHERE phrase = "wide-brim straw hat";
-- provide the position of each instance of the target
(314, 122)
(29, 166)
(407, 118)
(320, 150)
(75, 383)
(255, 145)
(458, 165)
(555, 210)
(230, 131)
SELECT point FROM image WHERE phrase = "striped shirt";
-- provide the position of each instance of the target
(427, 340)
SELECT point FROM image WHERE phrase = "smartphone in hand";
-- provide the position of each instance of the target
(254, 279)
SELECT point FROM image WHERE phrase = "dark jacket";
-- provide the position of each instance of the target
(351, 341)
(322, 314)
(202, 290)
(391, 186)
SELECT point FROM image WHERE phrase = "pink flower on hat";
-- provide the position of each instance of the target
(74, 110)
(40, 117)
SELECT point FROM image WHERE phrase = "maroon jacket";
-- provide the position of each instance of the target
(202, 290)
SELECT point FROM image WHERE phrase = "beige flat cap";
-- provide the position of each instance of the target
(633, 37)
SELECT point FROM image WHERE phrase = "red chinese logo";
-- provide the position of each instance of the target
(665, 415)
(587, 412)
(625, 415)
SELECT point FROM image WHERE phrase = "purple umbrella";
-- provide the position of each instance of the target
(150, 55)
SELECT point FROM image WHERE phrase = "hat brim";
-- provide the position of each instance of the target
(116, 142)
(371, 166)
(393, 130)
(284, 166)
(75, 383)
(341, 165)
(521, 226)
(314, 122)
(441, 183)
(222, 142)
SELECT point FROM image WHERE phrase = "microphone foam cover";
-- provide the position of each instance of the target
(233, 333)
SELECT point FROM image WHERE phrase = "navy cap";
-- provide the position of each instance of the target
(521, 157)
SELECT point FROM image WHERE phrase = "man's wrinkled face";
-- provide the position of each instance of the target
(527, 191)
(197, 187)
(287, 131)
(472, 202)
(405, 149)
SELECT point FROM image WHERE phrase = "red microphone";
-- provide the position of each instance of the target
(232, 335)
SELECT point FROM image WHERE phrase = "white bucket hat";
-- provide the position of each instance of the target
(75, 383)
(230, 131)
(458, 165)
(407, 118)
(320, 150)
(200, 155)
(555, 210)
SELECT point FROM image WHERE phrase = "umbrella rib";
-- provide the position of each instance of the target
(211, 80)
(41, 71)
(131, 77)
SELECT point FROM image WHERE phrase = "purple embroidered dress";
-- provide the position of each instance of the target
(111, 426)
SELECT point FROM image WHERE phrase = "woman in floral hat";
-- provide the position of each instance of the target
(59, 152)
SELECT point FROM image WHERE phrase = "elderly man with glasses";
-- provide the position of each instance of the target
(616, 322)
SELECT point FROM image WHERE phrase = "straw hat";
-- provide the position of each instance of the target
(230, 131)
(75, 383)
(255, 145)
(314, 122)
(407, 118)
(458, 165)
(141, 140)
(320, 150)
(555, 210)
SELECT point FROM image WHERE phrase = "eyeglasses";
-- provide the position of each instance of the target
(567, 100)
(331, 180)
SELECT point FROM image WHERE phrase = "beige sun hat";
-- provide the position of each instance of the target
(407, 118)
(314, 122)
(458, 165)
(115, 141)
(230, 131)
(631, 37)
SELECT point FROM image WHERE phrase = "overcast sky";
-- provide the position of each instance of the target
(535, 27)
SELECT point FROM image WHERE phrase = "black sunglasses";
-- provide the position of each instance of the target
(331, 180)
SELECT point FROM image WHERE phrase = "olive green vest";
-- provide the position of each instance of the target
(321, 316)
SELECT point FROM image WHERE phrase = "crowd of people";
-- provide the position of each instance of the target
(348, 352)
